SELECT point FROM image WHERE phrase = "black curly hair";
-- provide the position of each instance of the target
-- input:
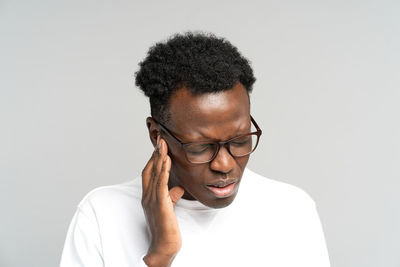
(201, 62)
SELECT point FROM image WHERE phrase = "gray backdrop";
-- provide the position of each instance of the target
(327, 98)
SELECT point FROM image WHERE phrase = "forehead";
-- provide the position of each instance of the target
(210, 114)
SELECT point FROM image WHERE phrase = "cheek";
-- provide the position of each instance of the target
(191, 177)
(187, 173)
(183, 172)
(242, 162)
(178, 159)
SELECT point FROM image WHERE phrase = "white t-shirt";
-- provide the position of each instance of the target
(268, 224)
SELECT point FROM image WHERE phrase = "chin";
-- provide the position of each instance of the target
(219, 203)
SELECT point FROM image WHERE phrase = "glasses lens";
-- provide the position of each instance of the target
(242, 146)
(199, 153)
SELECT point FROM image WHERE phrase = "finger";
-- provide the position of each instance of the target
(147, 178)
(166, 167)
(162, 185)
(152, 170)
(176, 193)
(157, 166)
(146, 174)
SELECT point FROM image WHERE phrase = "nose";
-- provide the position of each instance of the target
(223, 161)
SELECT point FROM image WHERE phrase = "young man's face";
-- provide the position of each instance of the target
(216, 117)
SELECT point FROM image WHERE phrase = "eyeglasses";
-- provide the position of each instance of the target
(204, 152)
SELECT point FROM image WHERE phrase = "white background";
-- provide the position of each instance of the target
(327, 97)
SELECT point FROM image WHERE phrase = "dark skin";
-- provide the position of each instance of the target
(168, 176)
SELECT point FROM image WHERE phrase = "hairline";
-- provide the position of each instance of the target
(165, 118)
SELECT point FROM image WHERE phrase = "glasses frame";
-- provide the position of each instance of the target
(258, 132)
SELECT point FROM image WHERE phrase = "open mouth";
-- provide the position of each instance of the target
(222, 190)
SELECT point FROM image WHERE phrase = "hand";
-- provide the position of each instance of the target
(158, 204)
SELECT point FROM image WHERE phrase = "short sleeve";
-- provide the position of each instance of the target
(84, 243)
(82, 246)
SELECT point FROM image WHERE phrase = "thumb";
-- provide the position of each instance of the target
(176, 193)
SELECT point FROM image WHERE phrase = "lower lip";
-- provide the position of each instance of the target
(222, 191)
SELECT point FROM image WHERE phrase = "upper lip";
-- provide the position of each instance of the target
(222, 183)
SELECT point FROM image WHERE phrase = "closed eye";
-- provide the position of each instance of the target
(241, 141)
(198, 149)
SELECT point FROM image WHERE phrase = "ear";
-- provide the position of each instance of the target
(153, 129)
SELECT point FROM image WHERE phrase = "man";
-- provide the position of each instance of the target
(187, 209)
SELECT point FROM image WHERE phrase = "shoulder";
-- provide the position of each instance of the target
(272, 191)
(110, 197)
